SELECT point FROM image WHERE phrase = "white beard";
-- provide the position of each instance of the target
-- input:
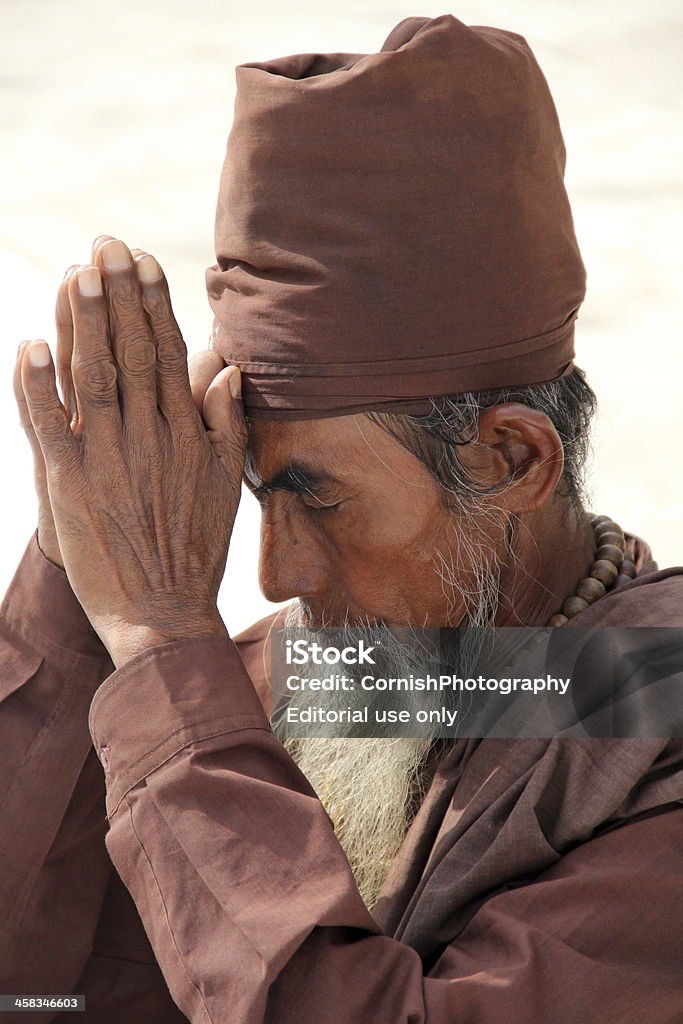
(369, 788)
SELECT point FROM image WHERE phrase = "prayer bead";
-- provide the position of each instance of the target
(611, 537)
(591, 589)
(573, 605)
(604, 571)
(610, 552)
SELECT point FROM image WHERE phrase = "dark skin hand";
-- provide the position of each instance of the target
(143, 495)
(203, 366)
(138, 492)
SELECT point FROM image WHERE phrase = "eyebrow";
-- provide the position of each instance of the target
(295, 477)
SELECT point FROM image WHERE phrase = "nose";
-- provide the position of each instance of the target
(291, 560)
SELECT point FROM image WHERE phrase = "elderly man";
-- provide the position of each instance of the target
(395, 291)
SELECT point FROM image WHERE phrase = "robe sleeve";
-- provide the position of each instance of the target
(254, 914)
(67, 925)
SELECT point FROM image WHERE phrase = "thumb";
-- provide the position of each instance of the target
(47, 535)
(226, 425)
(202, 368)
(24, 416)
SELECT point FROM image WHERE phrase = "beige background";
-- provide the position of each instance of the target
(114, 119)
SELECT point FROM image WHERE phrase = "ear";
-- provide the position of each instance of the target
(520, 444)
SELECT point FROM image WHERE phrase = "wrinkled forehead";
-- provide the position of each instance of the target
(345, 448)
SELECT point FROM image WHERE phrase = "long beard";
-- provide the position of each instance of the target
(372, 787)
(369, 788)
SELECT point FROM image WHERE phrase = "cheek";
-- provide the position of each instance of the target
(387, 566)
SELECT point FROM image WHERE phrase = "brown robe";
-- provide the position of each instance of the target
(540, 882)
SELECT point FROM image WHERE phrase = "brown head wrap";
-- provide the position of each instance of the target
(394, 226)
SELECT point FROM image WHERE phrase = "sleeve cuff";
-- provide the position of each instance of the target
(42, 608)
(161, 701)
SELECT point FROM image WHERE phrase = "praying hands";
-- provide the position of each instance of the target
(137, 491)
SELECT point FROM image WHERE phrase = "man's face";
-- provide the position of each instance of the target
(352, 524)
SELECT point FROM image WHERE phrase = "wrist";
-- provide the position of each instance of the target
(126, 641)
(49, 545)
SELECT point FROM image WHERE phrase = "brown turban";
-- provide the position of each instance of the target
(394, 226)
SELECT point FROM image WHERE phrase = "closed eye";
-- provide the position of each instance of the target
(318, 505)
(323, 506)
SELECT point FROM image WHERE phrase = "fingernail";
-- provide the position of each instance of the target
(149, 270)
(39, 354)
(100, 239)
(235, 382)
(90, 282)
(116, 256)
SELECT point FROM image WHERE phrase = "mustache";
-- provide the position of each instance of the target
(406, 646)
(302, 613)
(398, 652)
(399, 649)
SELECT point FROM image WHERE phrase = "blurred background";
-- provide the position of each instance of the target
(114, 120)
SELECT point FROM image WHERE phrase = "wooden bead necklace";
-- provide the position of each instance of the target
(610, 568)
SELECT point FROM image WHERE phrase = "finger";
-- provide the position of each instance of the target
(19, 396)
(65, 344)
(203, 367)
(24, 415)
(173, 384)
(97, 245)
(48, 416)
(93, 369)
(201, 372)
(132, 344)
(226, 425)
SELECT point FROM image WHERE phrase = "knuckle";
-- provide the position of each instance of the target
(138, 358)
(96, 379)
(49, 422)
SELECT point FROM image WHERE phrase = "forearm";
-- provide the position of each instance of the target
(121, 980)
(53, 864)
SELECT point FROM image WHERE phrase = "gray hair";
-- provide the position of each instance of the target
(453, 422)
